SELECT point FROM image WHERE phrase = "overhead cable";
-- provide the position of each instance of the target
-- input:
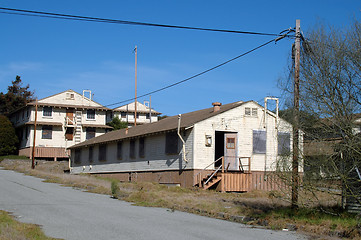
(196, 75)
(117, 21)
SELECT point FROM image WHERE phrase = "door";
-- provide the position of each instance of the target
(230, 151)
(70, 116)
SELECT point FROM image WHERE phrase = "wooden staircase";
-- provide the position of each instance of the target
(206, 181)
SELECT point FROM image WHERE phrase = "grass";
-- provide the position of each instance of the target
(13, 157)
(268, 209)
(10, 229)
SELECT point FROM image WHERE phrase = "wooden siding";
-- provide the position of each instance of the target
(45, 152)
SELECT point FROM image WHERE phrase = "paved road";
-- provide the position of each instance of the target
(72, 214)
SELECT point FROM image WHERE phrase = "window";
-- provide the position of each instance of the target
(147, 115)
(90, 133)
(102, 157)
(231, 143)
(254, 112)
(91, 154)
(284, 143)
(27, 113)
(259, 141)
(69, 133)
(119, 151)
(47, 132)
(171, 143)
(123, 114)
(90, 114)
(26, 132)
(47, 111)
(77, 156)
(141, 147)
(70, 96)
(132, 149)
(251, 112)
(23, 114)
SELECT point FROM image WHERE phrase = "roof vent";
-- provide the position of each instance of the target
(216, 106)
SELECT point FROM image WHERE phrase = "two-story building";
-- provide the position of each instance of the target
(126, 113)
(62, 120)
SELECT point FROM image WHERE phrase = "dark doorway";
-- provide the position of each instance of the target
(218, 147)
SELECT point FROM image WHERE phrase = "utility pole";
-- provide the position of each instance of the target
(33, 152)
(296, 104)
(150, 108)
(135, 103)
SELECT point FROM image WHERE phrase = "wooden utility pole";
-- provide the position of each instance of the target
(296, 103)
(150, 108)
(34, 137)
(135, 103)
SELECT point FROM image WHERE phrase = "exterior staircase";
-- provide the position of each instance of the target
(78, 127)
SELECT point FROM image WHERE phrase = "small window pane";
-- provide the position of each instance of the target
(231, 143)
(259, 141)
(47, 132)
(247, 111)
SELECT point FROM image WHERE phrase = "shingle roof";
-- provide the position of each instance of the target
(164, 125)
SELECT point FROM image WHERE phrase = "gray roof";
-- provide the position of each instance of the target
(164, 125)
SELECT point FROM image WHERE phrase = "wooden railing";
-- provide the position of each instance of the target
(202, 174)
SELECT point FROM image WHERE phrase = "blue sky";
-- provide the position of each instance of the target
(56, 55)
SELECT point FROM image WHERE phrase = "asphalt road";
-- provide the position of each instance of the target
(68, 213)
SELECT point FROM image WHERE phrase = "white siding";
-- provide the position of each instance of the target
(154, 159)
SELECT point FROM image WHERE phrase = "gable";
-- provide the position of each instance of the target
(69, 97)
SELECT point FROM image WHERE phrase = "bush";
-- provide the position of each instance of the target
(8, 138)
(115, 189)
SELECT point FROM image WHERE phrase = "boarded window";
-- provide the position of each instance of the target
(102, 157)
(69, 133)
(47, 132)
(77, 156)
(90, 114)
(171, 143)
(259, 141)
(119, 150)
(91, 154)
(142, 147)
(132, 149)
(231, 143)
(90, 133)
(284, 143)
(47, 111)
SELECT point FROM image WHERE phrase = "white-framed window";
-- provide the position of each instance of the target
(90, 114)
(47, 111)
(123, 114)
(251, 112)
(47, 132)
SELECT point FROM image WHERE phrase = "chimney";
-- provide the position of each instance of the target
(126, 131)
(216, 106)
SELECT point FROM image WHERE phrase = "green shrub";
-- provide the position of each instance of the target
(115, 188)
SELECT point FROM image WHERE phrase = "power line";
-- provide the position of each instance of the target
(23, 12)
(197, 75)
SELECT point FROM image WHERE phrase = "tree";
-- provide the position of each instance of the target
(8, 138)
(116, 123)
(330, 90)
(16, 97)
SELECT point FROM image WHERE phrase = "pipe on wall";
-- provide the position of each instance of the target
(179, 135)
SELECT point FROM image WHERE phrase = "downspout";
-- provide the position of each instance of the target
(184, 144)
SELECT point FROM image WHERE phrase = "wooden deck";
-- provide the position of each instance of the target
(45, 152)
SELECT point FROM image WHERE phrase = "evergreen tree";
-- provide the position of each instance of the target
(8, 138)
